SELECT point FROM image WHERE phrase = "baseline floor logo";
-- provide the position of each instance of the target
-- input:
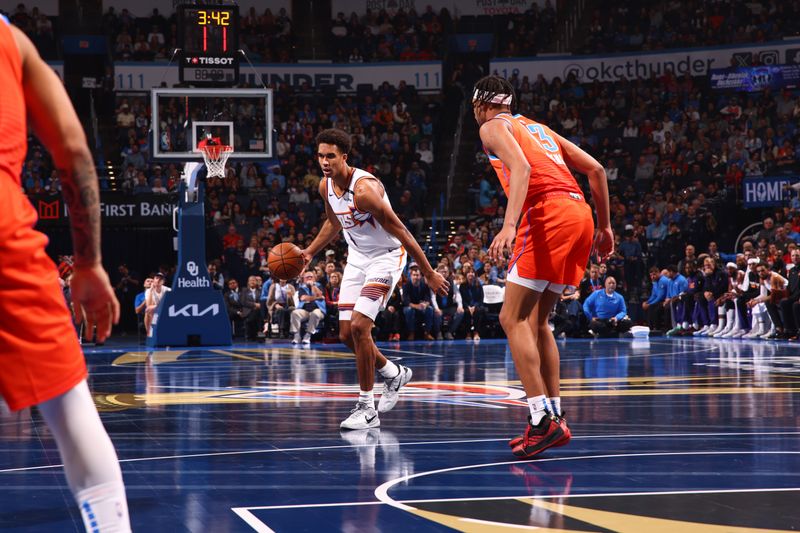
(464, 394)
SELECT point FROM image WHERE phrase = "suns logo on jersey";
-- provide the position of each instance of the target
(355, 219)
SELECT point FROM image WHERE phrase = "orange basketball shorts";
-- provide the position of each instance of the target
(40, 356)
(554, 240)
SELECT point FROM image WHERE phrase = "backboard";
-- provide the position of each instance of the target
(238, 117)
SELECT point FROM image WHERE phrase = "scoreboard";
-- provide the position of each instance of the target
(208, 39)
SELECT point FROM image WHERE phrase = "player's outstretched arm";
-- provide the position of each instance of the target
(328, 232)
(584, 163)
(369, 198)
(499, 140)
(55, 122)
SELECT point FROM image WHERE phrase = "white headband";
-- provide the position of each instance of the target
(502, 99)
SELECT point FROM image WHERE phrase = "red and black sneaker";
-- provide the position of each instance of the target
(562, 421)
(538, 438)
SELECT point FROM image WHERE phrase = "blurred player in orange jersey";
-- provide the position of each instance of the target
(40, 359)
(552, 225)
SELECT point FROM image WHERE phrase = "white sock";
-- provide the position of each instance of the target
(555, 405)
(367, 398)
(90, 462)
(537, 406)
(389, 370)
(103, 508)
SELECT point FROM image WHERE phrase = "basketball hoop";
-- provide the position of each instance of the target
(215, 156)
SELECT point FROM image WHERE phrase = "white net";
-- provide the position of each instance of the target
(216, 156)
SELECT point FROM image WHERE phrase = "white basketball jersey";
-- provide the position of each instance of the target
(364, 235)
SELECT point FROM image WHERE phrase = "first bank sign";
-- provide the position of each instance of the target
(768, 191)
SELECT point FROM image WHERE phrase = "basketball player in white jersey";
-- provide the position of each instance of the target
(356, 202)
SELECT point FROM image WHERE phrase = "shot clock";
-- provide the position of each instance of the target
(208, 36)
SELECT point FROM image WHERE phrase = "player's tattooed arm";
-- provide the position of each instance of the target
(83, 199)
(55, 122)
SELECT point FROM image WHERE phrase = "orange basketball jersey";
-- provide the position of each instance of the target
(549, 173)
(40, 357)
(13, 122)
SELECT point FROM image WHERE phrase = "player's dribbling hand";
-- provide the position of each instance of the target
(603, 245)
(93, 300)
(503, 240)
(307, 257)
(437, 283)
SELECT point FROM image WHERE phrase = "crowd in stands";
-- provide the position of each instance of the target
(38, 27)
(306, 308)
(621, 26)
(266, 37)
(381, 36)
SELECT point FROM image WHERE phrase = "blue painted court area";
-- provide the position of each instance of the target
(678, 435)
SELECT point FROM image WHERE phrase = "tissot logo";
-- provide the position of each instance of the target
(193, 310)
(209, 60)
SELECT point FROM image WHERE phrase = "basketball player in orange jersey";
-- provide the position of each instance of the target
(552, 225)
(40, 357)
(357, 204)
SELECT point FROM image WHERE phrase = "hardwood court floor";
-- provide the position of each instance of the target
(669, 435)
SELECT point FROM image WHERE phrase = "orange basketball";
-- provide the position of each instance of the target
(285, 261)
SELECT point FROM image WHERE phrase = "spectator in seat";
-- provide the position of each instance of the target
(472, 300)
(390, 319)
(280, 304)
(139, 302)
(231, 238)
(251, 308)
(217, 279)
(606, 311)
(679, 302)
(233, 302)
(332, 296)
(311, 308)
(788, 305)
(447, 306)
(417, 304)
(654, 307)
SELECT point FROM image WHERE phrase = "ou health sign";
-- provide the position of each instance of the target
(768, 191)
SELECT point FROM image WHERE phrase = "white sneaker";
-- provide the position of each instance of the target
(296, 338)
(728, 334)
(740, 334)
(701, 332)
(768, 334)
(307, 338)
(362, 417)
(725, 332)
(391, 389)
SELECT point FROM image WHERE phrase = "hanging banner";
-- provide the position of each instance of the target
(754, 79)
(425, 76)
(694, 61)
(769, 191)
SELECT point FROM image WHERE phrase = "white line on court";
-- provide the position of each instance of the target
(382, 492)
(514, 497)
(252, 520)
(418, 443)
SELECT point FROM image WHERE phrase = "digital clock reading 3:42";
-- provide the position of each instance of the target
(208, 17)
